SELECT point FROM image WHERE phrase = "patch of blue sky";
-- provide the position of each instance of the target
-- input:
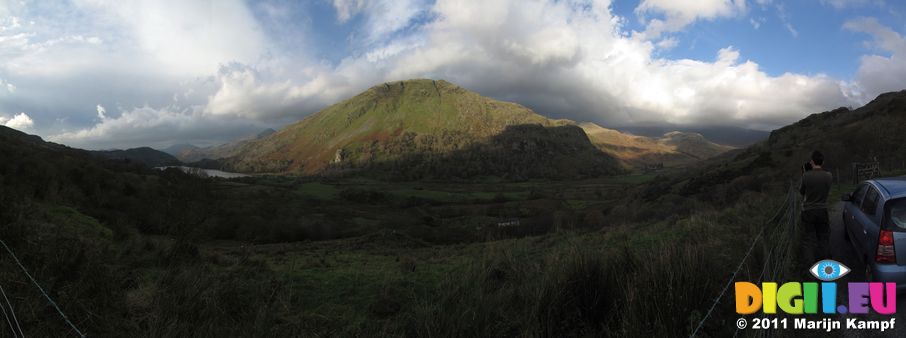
(802, 37)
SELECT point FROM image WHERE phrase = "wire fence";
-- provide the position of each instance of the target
(11, 316)
(38, 286)
(782, 229)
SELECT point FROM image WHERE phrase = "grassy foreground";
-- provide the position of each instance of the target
(656, 279)
(630, 280)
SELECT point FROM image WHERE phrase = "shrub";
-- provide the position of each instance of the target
(362, 195)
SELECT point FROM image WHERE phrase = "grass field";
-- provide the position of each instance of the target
(389, 283)
(279, 256)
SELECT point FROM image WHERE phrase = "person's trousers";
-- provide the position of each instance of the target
(816, 235)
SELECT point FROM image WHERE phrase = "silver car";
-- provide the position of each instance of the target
(874, 221)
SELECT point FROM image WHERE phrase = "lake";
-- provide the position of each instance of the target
(205, 172)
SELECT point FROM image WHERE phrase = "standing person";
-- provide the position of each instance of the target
(815, 186)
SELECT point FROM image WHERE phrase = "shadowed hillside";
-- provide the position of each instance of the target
(519, 152)
(145, 155)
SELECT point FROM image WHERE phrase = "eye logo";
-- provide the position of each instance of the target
(828, 270)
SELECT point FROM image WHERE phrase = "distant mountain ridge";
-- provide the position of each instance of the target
(178, 149)
(724, 135)
(146, 155)
(672, 149)
(189, 153)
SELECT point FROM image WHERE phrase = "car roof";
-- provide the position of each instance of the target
(895, 187)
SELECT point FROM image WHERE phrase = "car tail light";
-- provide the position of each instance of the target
(886, 254)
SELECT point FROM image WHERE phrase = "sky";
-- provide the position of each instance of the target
(101, 74)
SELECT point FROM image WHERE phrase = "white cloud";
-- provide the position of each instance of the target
(242, 92)
(20, 121)
(879, 73)
(574, 61)
(184, 37)
(119, 56)
(755, 23)
(346, 9)
(102, 112)
(679, 14)
(667, 43)
(8, 86)
(383, 17)
(792, 30)
(785, 19)
(842, 4)
(566, 59)
(146, 126)
(171, 76)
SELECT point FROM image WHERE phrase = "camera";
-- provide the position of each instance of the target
(807, 166)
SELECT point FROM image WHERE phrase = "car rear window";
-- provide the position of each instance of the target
(898, 213)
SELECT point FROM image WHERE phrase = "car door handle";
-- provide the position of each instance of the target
(865, 232)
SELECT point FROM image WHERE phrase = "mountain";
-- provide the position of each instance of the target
(177, 149)
(671, 149)
(873, 132)
(265, 133)
(725, 135)
(422, 128)
(694, 145)
(196, 154)
(148, 156)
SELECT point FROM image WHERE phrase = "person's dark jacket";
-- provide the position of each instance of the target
(815, 186)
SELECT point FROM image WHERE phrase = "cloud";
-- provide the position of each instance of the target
(679, 14)
(879, 73)
(667, 43)
(74, 62)
(346, 9)
(785, 19)
(243, 92)
(791, 29)
(146, 126)
(756, 23)
(568, 60)
(382, 17)
(842, 4)
(206, 72)
(20, 121)
(102, 112)
(184, 37)
(9, 87)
